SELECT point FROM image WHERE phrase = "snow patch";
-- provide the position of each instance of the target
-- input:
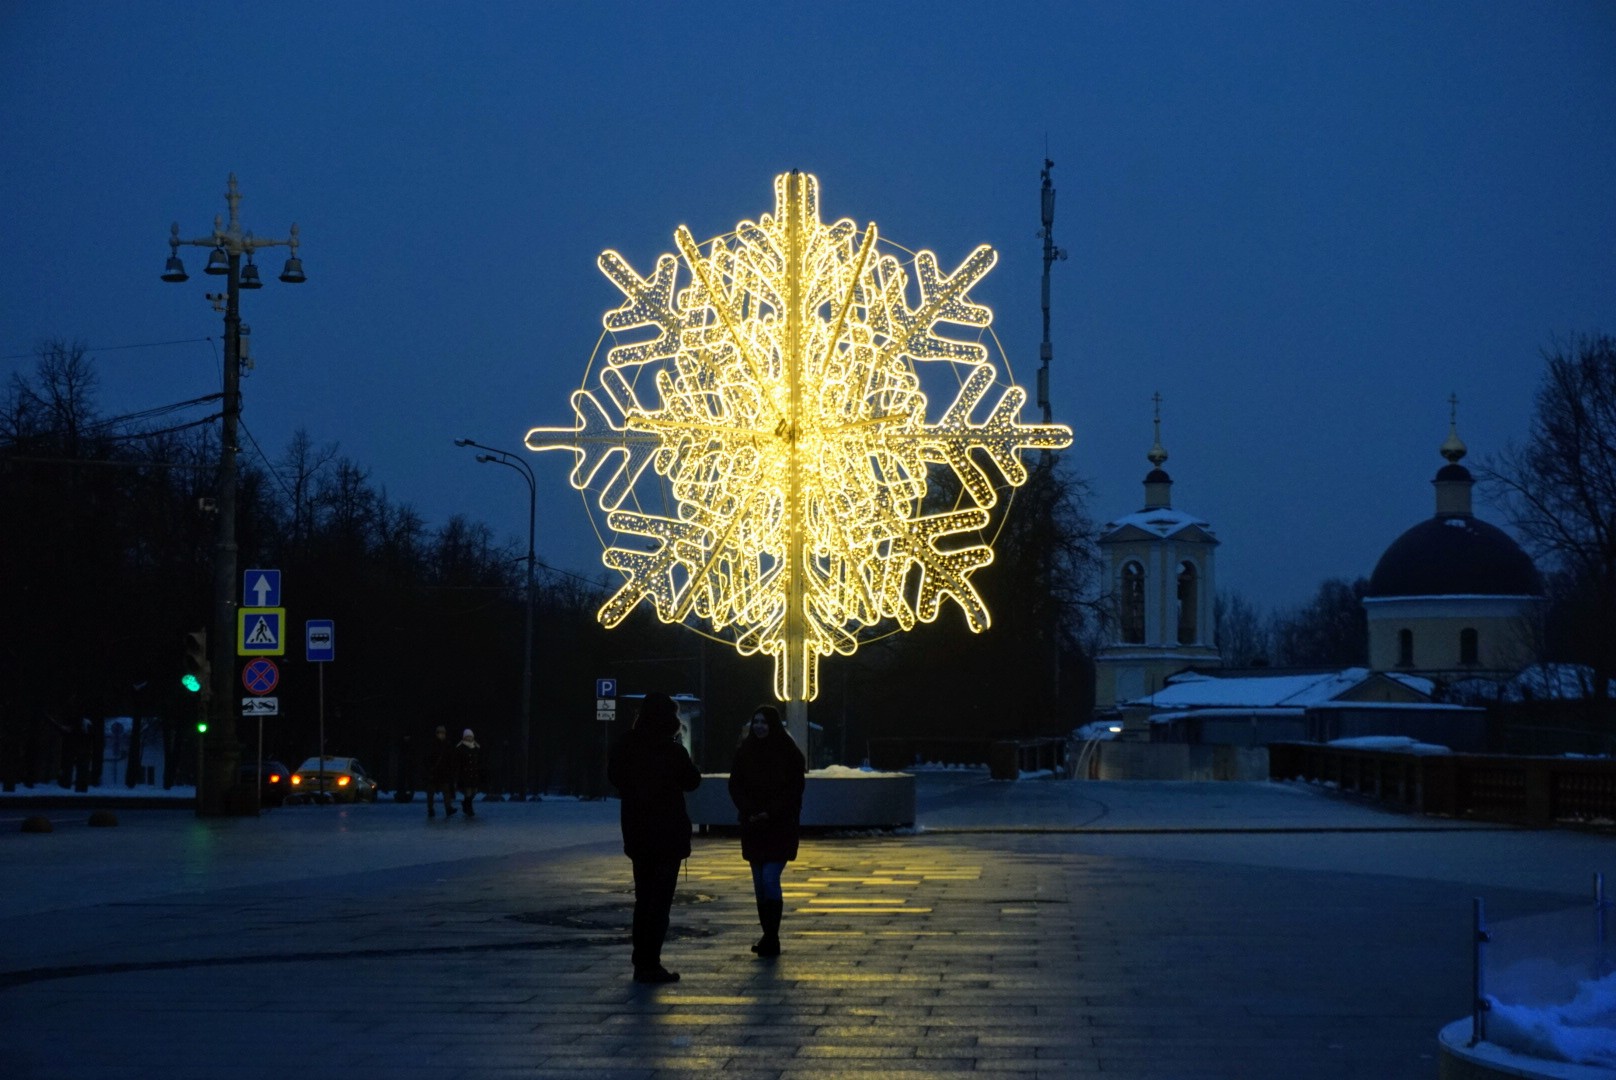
(1581, 1031)
(1402, 744)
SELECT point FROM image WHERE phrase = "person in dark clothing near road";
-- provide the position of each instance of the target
(440, 772)
(651, 770)
(468, 763)
(766, 784)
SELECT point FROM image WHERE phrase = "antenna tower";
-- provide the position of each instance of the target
(1046, 351)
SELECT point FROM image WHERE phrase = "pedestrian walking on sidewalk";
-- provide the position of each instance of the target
(766, 784)
(440, 772)
(468, 763)
(651, 770)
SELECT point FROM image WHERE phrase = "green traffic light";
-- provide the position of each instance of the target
(201, 727)
(191, 683)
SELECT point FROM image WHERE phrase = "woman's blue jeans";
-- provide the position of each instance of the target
(766, 880)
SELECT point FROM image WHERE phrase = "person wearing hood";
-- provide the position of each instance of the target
(651, 770)
(468, 760)
(766, 783)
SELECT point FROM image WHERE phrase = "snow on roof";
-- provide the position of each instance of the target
(1449, 596)
(1400, 743)
(1223, 714)
(1413, 682)
(1192, 690)
(1540, 682)
(1163, 521)
(1423, 706)
(1573, 681)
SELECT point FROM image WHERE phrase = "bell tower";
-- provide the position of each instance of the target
(1160, 570)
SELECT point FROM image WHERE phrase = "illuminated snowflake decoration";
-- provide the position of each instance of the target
(773, 387)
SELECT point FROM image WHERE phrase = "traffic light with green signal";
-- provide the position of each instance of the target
(197, 668)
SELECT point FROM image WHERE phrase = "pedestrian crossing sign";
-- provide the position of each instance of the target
(261, 631)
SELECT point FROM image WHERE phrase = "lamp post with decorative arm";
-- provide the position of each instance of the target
(495, 456)
(228, 243)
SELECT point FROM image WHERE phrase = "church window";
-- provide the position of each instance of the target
(1133, 604)
(1188, 591)
(1467, 646)
(1405, 648)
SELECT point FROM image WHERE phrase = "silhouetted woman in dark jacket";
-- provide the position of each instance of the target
(766, 784)
(651, 771)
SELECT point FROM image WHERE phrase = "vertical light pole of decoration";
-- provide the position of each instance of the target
(228, 243)
(495, 456)
(796, 637)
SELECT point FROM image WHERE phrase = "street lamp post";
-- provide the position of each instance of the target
(496, 456)
(228, 243)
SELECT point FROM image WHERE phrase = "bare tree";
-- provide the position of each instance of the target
(1331, 630)
(1559, 489)
(58, 400)
(1242, 634)
(300, 463)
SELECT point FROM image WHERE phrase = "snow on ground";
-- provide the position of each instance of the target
(1581, 1031)
(846, 771)
(104, 791)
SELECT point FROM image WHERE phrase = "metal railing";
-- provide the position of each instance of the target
(1488, 787)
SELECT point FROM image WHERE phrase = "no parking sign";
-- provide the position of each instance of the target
(260, 676)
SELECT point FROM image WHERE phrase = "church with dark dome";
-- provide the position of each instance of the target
(1453, 597)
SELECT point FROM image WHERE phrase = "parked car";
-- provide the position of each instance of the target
(273, 778)
(339, 779)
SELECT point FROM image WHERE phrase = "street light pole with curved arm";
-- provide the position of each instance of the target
(496, 456)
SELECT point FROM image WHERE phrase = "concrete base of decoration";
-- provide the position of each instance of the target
(835, 798)
(1484, 1061)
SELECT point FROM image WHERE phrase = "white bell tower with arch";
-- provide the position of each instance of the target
(1160, 565)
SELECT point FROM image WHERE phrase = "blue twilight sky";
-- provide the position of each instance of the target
(1305, 224)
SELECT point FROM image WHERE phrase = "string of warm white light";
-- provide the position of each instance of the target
(780, 404)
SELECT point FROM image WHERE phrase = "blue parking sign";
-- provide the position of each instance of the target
(605, 688)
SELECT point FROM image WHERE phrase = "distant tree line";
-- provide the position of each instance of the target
(108, 539)
(1331, 630)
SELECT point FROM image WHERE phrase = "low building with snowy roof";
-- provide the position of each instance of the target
(1215, 708)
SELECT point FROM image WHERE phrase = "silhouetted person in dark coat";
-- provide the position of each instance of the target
(766, 784)
(651, 771)
(440, 772)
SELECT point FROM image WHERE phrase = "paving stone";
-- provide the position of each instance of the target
(933, 954)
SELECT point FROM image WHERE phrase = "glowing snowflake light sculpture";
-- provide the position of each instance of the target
(774, 391)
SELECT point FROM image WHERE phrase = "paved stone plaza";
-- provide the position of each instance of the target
(1040, 928)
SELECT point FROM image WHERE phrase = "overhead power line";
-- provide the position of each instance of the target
(115, 348)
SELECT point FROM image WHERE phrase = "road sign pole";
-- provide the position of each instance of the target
(605, 713)
(322, 724)
(258, 783)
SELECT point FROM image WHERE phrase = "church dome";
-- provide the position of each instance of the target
(1455, 555)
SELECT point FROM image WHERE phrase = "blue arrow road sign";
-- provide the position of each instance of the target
(320, 641)
(261, 588)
